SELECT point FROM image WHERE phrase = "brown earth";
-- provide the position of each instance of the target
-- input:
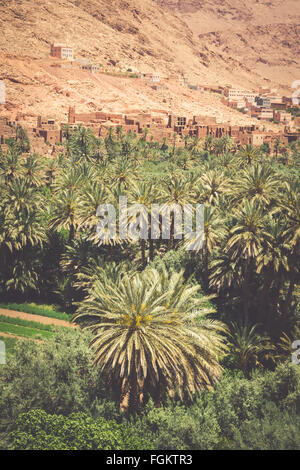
(36, 318)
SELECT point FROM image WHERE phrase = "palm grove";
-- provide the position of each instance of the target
(163, 322)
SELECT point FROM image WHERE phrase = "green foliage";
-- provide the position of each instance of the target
(56, 376)
(37, 430)
(261, 413)
(10, 344)
(7, 327)
(27, 323)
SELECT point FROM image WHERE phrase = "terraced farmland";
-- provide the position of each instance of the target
(17, 326)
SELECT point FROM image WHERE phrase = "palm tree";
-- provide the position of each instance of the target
(272, 262)
(277, 147)
(212, 185)
(209, 143)
(70, 179)
(249, 348)
(176, 192)
(145, 194)
(152, 335)
(32, 170)
(92, 195)
(256, 183)
(10, 167)
(22, 139)
(19, 197)
(245, 242)
(248, 154)
(290, 204)
(122, 172)
(214, 234)
(65, 212)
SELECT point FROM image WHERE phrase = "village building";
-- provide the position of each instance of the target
(153, 77)
(263, 102)
(86, 64)
(61, 51)
(283, 116)
(7, 129)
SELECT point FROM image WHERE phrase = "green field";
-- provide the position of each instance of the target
(27, 332)
(27, 323)
(36, 309)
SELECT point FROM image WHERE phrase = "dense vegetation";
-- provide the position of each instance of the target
(194, 346)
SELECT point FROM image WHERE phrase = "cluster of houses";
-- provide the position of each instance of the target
(65, 54)
(265, 104)
(46, 133)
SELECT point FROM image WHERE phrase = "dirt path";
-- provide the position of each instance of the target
(36, 318)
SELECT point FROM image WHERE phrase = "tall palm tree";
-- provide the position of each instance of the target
(123, 170)
(209, 143)
(290, 204)
(212, 185)
(248, 347)
(92, 195)
(65, 212)
(19, 197)
(248, 154)
(10, 167)
(256, 183)
(272, 262)
(152, 336)
(176, 192)
(146, 194)
(213, 235)
(32, 170)
(277, 147)
(245, 241)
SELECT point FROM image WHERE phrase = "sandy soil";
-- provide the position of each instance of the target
(36, 318)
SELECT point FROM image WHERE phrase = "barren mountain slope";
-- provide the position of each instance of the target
(263, 35)
(141, 36)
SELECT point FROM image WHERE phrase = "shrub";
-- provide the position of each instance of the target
(56, 376)
(37, 430)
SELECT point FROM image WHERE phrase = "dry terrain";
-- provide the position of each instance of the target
(212, 41)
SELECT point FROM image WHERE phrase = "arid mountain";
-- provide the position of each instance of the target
(211, 41)
(263, 35)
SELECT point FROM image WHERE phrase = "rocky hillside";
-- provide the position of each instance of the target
(212, 41)
(261, 35)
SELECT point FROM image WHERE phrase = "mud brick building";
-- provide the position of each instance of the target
(7, 129)
(282, 116)
(48, 130)
(165, 125)
(61, 51)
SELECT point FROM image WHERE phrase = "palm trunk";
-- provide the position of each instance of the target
(246, 289)
(264, 296)
(171, 241)
(151, 244)
(288, 300)
(151, 249)
(72, 233)
(143, 250)
(205, 254)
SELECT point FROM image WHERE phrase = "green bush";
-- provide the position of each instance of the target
(56, 376)
(37, 430)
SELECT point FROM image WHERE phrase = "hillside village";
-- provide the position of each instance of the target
(264, 106)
